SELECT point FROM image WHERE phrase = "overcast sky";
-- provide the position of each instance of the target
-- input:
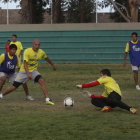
(14, 5)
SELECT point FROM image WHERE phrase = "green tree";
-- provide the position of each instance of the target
(80, 11)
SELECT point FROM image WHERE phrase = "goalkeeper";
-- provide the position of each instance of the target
(111, 97)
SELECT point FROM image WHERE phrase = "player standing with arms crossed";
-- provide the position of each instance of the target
(133, 48)
(28, 70)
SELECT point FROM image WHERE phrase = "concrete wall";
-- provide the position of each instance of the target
(58, 27)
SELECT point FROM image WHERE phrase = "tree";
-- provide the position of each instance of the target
(38, 11)
(58, 7)
(127, 9)
(81, 11)
(32, 11)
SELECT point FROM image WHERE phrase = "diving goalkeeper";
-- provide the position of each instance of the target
(111, 97)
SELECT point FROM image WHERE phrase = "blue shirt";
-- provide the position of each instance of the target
(134, 53)
(8, 66)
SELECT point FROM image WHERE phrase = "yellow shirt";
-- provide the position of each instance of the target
(19, 47)
(127, 49)
(110, 85)
(2, 58)
(32, 58)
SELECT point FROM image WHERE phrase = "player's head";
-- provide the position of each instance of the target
(8, 41)
(12, 49)
(36, 45)
(14, 38)
(105, 72)
(134, 36)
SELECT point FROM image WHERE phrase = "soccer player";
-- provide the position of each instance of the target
(133, 48)
(28, 70)
(19, 46)
(7, 46)
(8, 63)
(111, 97)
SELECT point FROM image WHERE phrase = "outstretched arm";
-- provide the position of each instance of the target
(91, 84)
(51, 63)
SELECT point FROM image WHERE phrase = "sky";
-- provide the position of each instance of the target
(13, 5)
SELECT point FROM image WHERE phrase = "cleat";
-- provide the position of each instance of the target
(105, 109)
(133, 110)
(49, 103)
(137, 87)
(30, 98)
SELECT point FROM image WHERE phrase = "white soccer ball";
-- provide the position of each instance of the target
(68, 101)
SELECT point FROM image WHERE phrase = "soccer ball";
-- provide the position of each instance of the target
(68, 102)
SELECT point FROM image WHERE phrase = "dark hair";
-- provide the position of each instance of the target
(14, 35)
(106, 72)
(134, 33)
(13, 46)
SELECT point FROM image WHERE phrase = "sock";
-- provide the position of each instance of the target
(1, 96)
(47, 99)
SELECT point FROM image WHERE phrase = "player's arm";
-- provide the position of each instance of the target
(2, 57)
(51, 63)
(125, 54)
(88, 85)
(21, 48)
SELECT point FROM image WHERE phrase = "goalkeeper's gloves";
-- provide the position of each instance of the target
(79, 86)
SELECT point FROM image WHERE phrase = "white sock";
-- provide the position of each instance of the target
(1, 96)
(47, 99)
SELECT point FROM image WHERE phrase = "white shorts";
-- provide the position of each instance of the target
(10, 77)
(135, 68)
(22, 76)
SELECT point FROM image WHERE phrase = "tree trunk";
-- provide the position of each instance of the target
(81, 11)
(56, 5)
(134, 6)
(116, 7)
(26, 10)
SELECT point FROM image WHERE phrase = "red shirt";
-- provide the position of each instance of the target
(7, 47)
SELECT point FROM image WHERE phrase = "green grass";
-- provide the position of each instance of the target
(33, 120)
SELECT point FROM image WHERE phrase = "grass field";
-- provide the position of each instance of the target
(33, 120)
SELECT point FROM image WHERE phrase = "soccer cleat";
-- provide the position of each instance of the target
(105, 109)
(1, 96)
(49, 103)
(133, 110)
(30, 98)
(137, 87)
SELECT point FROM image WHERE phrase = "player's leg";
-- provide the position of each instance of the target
(2, 79)
(20, 79)
(25, 87)
(115, 99)
(135, 71)
(38, 78)
(101, 102)
(28, 97)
